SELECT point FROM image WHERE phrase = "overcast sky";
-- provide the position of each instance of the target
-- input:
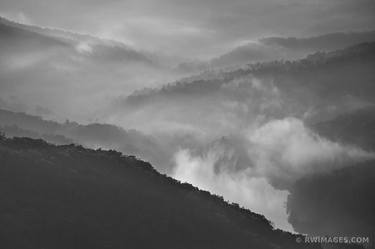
(194, 28)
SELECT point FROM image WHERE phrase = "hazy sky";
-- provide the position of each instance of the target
(194, 28)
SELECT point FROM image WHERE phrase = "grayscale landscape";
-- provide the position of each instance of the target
(186, 124)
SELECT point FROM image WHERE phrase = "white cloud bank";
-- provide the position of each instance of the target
(279, 152)
(254, 193)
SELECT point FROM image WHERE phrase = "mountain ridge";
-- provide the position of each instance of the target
(53, 175)
(290, 48)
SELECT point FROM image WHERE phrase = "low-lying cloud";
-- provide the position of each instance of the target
(277, 154)
(286, 150)
(239, 187)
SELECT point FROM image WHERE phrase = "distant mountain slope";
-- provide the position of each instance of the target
(325, 42)
(32, 36)
(359, 55)
(76, 69)
(92, 135)
(351, 128)
(12, 37)
(288, 48)
(315, 88)
(30, 122)
(71, 197)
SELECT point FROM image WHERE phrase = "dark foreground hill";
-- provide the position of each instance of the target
(71, 197)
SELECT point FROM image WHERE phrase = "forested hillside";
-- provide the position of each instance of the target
(71, 197)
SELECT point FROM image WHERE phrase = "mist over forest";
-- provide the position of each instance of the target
(274, 115)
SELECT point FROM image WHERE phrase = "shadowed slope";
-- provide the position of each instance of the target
(72, 197)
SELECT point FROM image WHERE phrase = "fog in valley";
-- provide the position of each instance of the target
(266, 103)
